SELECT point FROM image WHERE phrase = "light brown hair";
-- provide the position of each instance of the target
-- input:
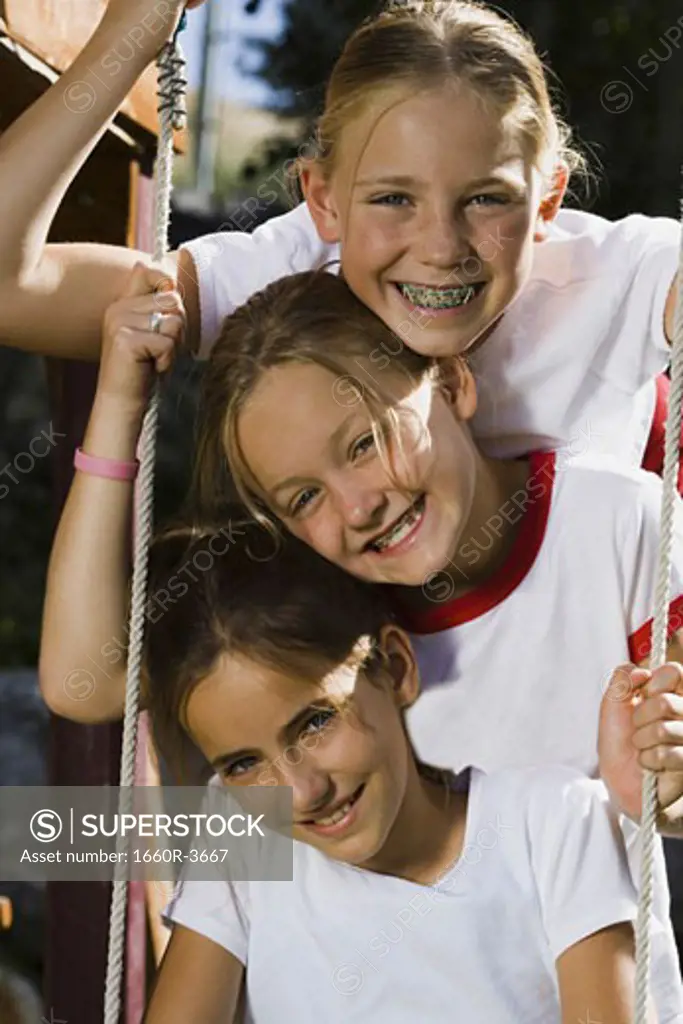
(425, 45)
(286, 608)
(312, 318)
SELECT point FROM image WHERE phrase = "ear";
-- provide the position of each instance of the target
(318, 196)
(458, 386)
(401, 666)
(551, 201)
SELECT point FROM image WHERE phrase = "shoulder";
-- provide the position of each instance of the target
(540, 806)
(534, 789)
(592, 232)
(601, 483)
(583, 246)
(293, 234)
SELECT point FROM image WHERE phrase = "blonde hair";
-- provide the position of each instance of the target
(309, 318)
(428, 44)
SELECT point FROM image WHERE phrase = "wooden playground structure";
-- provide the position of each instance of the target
(110, 202)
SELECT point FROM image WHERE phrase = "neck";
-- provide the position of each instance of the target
(487, 536)
(427, 836)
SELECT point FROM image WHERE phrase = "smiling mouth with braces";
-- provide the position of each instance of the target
(400, 528)
(340, 813)
(440, 298)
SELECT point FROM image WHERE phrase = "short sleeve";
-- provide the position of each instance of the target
(641, 546)
(218, 910)
(232, 266)
(578, 857)
(654, 243)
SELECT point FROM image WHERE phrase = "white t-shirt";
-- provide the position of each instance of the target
(514, 672)
(540, 869)
(572, 361)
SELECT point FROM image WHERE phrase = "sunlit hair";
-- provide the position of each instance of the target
(310, 318)
(286, 608)
(425, 45)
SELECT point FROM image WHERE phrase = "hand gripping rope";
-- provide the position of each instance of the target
(172, 90)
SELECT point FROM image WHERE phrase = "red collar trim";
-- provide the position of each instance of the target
(494, 590)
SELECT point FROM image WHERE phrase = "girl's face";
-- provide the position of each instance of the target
(392, 517)
(339, 742)
(436, 210)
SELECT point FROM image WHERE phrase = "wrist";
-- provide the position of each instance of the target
(143, 32)
(113, 429)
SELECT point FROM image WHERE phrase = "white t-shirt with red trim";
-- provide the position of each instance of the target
(539, 871)
(573, 360)
(513, 673)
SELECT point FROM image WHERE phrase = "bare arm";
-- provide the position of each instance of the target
(198, 981)
(670, 310)
(597, 976)
(84, 634)
(53, 297)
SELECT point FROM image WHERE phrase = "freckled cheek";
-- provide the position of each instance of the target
(370, 243)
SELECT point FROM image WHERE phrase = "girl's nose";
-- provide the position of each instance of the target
(361, 505)
(442, 240)
(312, 787)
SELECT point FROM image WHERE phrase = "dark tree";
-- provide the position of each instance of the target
(616, 68)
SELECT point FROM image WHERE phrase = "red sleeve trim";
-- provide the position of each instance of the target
(653, 456)
(640, 642)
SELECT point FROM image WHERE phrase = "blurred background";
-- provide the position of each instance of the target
(257, 72)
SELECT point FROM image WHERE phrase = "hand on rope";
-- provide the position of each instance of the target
(641, 727)
(149, 17)
(142, 333)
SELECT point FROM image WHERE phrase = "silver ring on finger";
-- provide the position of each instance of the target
(156, 319)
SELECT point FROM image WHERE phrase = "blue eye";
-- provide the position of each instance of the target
(362, 445)
(302, 500)
(237, 768)
(318, 721)
(391, 199)
(487, 199)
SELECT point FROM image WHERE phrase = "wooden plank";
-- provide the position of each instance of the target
(56, 31)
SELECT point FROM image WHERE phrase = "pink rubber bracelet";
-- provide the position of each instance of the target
(112, 469)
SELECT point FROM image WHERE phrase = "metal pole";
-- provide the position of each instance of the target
(208, 135)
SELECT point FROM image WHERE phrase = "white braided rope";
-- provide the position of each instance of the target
(648, 824)
(168, 62)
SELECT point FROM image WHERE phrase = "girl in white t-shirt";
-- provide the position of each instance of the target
(524, 582)
(437, 179)
(415, 894)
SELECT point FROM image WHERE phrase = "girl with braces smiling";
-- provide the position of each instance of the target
(437, 181)
(376, 469)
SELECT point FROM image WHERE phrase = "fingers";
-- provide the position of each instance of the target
(668, 676)
(171, 326)
(146, 280)
(658, 720)
(138, 313)
(145, 347)
(626, 682)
